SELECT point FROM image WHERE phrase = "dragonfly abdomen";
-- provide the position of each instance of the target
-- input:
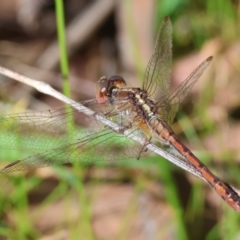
(164, 133)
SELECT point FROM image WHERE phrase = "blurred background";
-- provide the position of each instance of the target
(150, 199)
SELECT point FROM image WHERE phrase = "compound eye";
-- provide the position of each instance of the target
(102, 80)
(102, 84)
(116, 81)
(116, 77)
(102, 89)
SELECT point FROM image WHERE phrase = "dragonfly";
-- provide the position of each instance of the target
(70, 136)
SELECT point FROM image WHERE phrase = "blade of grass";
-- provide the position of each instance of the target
(66, 90)
(62, 46)
(63, 55)
(21, 211)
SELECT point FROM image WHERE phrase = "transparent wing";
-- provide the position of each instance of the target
(64, 135)
(169, 105)
(158, 73)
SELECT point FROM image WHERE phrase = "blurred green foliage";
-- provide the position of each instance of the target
(197, 21)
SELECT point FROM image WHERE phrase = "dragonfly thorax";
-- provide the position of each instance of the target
(141, 103)
(113, 90)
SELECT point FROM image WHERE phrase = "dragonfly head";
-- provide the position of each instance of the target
(105, 86)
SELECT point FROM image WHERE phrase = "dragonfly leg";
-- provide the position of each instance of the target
(144, 149)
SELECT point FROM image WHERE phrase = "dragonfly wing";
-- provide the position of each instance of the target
(65, 135)
(104, 145)
(169, 107)
(46, 129)
(158, 73)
